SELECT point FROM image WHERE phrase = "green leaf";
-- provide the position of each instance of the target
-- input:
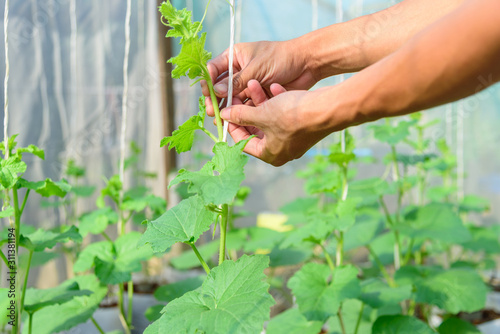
(97, 221)
(346, 213)
(85, 261)
(473, 203)
(169, 292)
(233, 299)
(182, 138)
(439, 193)
(293, 322)
(127, 258)
(219, 180)
(10, 170)
(47, 187)
(378, 294)
(315, 231)
(453, 290)
(179, 21)
(319, 297)
(41, 239)
(12, 143)
(37, 259)
(83, 191)
(289, 257)
(390, 134)
(350, 315)
(483, 239)
(368, 226)
(435, 221)
(298, 209)
(370, 189)
(414, 159)
(5, 303)
(72, 169)
(184, 222)
(192, 59)
(7, 212)
(37, 299)
(76, 311)
(112, 189)
(398, 324)
(262, 238)
(33, 150)
(457, 326)
(153, 313)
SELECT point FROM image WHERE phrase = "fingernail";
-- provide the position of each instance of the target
(221, 88)
(225, 113)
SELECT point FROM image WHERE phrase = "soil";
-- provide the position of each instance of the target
(479, 317)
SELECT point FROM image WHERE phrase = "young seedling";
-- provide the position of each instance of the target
(233, 298)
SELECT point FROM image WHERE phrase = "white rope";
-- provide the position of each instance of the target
(460, 150)
(231, 60)
(125, 91)
(6, 80)
(314, 18)
(74, 70)
(340, 18)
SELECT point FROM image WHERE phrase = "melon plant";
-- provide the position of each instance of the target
(233, 297)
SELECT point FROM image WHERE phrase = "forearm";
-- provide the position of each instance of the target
(455, 57)
(353, 45)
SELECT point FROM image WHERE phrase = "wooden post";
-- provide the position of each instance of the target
(167, 93)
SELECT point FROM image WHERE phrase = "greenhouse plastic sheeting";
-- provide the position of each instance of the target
(77, 113)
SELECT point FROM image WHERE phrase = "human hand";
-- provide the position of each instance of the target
(285, 126)
(267, 62)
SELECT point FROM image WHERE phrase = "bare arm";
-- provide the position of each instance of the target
(455, 57)
(361, 42)
(340, 48)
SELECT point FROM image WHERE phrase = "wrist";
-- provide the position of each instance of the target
(331, 50)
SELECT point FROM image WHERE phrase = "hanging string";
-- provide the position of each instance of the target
(237, 28)
(73, 58)
(230, 74)
(6, 80)
(460, 150)
(314, 19)
(124, 98)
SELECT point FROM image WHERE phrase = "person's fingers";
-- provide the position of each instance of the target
(239, 133)
(243, 115)
(277, 89)
(209, 107)
(257, 94)
(218, 65)
(204, 88)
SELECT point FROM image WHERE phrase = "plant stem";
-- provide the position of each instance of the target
(4, 258)
(25, 284)
(360, 316)
(198, 255)
(17, 222)
(106, 236)
(218, 120)
(209, 134)
(30, 322)
(223, 229)
(340, 249)
(328, 257)
(122, 315)
(24, 201)
(99, 328)
(341, 320)
(411, 308)
(130, 291)
(384, 272)
(409, 252)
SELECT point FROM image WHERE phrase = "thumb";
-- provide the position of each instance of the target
(240, 81)
(243, 115)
